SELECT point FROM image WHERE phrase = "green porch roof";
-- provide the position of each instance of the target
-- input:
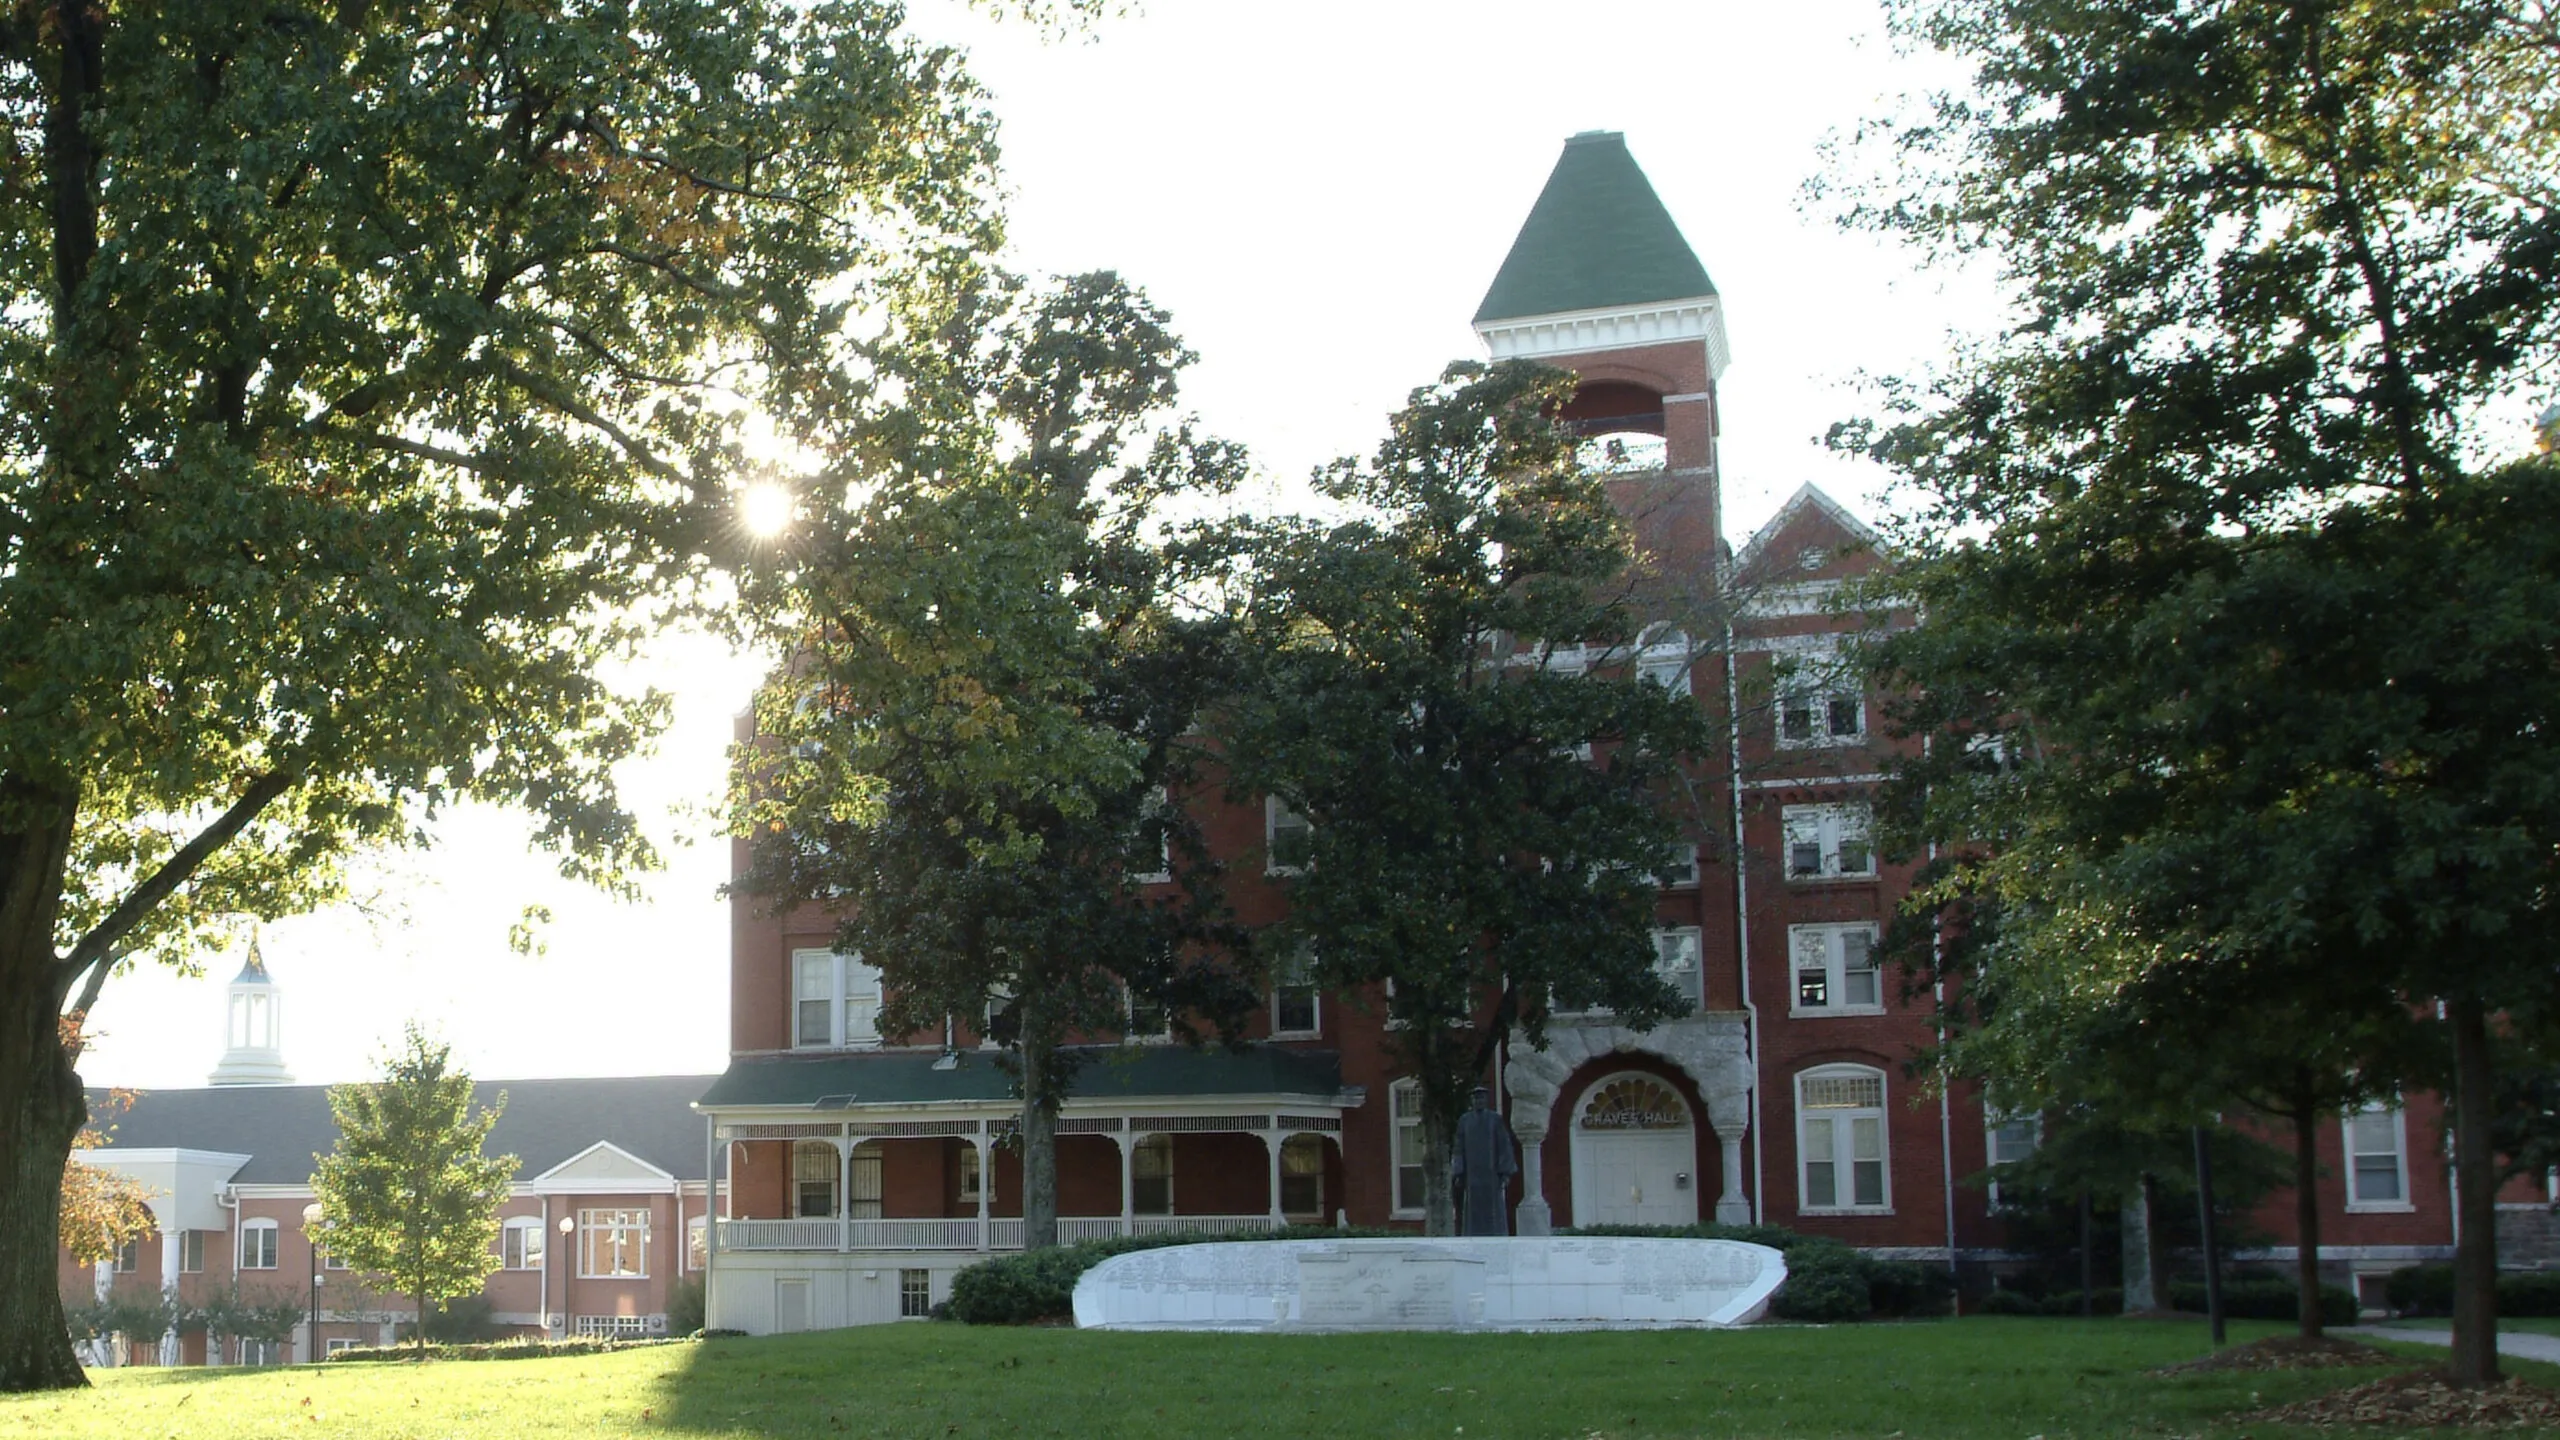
(1597, 239)
(908, 1077)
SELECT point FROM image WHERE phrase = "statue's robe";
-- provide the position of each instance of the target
(1486, 1159)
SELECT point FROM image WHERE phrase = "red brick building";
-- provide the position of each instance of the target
(868, 1169)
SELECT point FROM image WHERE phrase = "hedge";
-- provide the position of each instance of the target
(525, 1348)
(1038, 1285)
(2265, 1298)
(2428, 1290)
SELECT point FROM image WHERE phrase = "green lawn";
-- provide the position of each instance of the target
(2012, 1378)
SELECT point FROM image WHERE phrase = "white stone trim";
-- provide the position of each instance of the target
(1619, 327)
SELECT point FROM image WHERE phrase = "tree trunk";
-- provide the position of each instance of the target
(2135, 1227)
(1439, 1201)
(2475, 1179)
(41, 1104)
(2306, 1215)
(1039, 1144)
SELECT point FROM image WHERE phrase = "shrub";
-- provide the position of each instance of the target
(2008, 1302)
(1769, 1235)
(1826, 1283)
(2264, 1298)
(523, 1348)
(2105, 1300)
(2420, 1290)
(467, 1320)
(1907, 1287)
(685, 1313)
(2526, 1292)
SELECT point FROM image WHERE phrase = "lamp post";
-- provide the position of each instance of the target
(568, 1272)
(312, 1216)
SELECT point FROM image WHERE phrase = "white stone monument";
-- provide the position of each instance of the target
(1437, 1283)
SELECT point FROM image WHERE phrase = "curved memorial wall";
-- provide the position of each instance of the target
(1521, 1283)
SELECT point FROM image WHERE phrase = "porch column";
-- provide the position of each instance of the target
(1731, 1206)
(1272, 1140)
(844, 1192)
(986, 1180)
(1127, 1140)
(171, 1245)
(1530, 1128)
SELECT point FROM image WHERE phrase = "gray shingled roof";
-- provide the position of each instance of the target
(546, 1121)
(1598, 238)
(908, 1077)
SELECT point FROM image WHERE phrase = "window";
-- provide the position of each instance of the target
(330, 1260)
(1668, 670)
(611, 1327)
(1828, 842)
(520, 1243)
(865, 1204)
(1675, 959)
(190, 1252)
(1814, 715)
(2377, 1160)
(1840, 1139)
(613, 1244)
(1151, 1176)
(1288, 839)
(260, 1352)
(697, 1243)
(258, 1245)
(915, 1294)
(972, 1174)
(835, 1000)
(814, 1170)
(1679, 867)
(1147, 1020)
(1293, 996)
(128, 1258)
(342, 1344)
(2008, 1140)
(1302, 1176)
(1407, 1115)
(1154, 840)
(1836, 971)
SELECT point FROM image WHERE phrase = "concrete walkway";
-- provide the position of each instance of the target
(2510, 1342)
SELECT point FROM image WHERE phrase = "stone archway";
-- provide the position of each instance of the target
(1713, 1049)
(1635, 1153)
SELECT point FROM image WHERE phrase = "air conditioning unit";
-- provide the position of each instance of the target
(655, 1324)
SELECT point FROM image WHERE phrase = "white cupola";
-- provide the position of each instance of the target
(253, 1028)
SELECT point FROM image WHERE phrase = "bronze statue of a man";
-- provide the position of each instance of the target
(1480, 1170)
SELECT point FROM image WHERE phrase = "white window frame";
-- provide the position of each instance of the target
(1994, 1123)
(1680, 867)
(1405, 1096)
(1130, 1034)
(1666, 661)
(850, 990)
(973, 1174)
(1828, 947)
(259, 1254)
(833, 1178)
(611, 1327)
(1301, 1143)
(915, 1293)
(526, 1253)
(622, 1230)
(1679, 957)
(2398, 1122)
(1840, 1152)
(869, 1172)
(1273, 808)
(1296, 973)
(336, 1343)
(1821, 699)
(128, 1258)
(191, 1252)
(1835, 831)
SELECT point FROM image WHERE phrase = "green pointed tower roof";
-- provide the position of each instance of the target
(1597, 239)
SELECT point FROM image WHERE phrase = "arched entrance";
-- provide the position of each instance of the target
(1635, 1154)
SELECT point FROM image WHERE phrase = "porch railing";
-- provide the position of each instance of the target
(963, 1234)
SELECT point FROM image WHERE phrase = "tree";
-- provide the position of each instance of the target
(102, 1209)
(373, 370)
(1002, 651)
(2221, 531)
(1450, 694)
(406, 1194)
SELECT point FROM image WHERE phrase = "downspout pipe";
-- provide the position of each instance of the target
(1742, 913)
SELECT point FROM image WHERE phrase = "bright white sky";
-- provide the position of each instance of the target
(1320, 192)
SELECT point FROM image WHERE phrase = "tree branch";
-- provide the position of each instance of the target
(97, 949)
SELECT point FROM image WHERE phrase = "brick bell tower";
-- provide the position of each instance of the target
(1600, 282)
